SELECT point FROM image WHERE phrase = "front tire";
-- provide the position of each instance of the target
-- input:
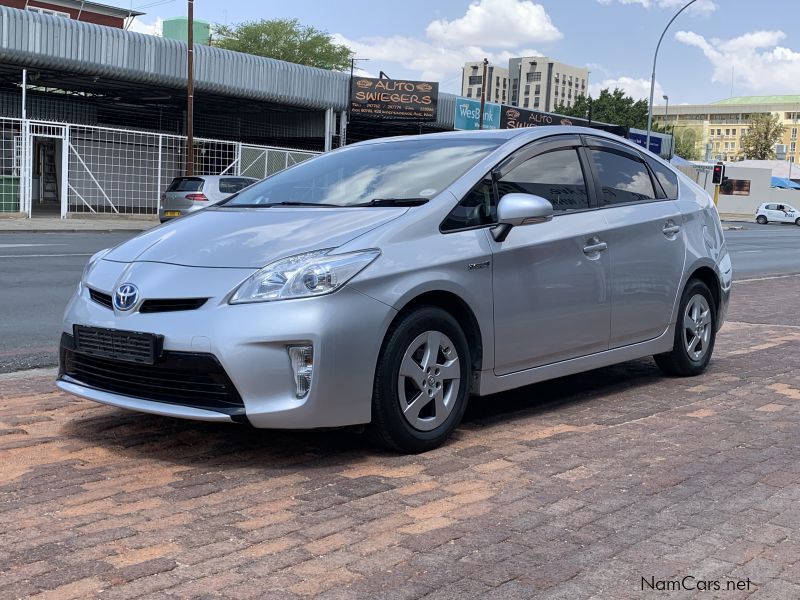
(762, 220)
(797, 221)
(422, 382)
(695, 333)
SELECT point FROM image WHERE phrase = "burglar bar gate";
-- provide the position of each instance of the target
(104, 170)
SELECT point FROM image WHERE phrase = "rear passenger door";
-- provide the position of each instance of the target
(645, 241)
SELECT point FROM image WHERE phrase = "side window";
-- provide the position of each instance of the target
(556, 176)
(477, 208)
(622, 179)
(665, 177)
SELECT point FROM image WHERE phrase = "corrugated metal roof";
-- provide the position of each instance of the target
(35, 40)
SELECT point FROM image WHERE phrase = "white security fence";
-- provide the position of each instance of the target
(65, 168)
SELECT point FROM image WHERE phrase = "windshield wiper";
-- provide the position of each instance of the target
(291, 203)
(393, 202)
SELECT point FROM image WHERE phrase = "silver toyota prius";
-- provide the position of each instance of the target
(386, 282)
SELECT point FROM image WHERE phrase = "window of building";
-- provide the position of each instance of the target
(794, 132)
(538, 89)
(733, 132)
(527, 90)
(477, 92)
(622, 178)
(475, 79)
(556, 176)
(536, 102)
(534, 76)
(47, 11)
(525, 103)
(792, 146)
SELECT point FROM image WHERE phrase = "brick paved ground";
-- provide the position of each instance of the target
(569, 489)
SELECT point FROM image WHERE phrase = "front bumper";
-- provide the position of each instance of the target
(250, 343)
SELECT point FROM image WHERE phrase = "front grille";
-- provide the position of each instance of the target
(184, 378)
(171, 304)
(100, 298)
(128, 346)
(155, 305)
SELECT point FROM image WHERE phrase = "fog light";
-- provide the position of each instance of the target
(302, 359)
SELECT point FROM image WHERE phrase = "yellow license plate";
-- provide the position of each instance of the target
(172, 213)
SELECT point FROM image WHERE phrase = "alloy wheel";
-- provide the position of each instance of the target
(429, 380)
(697, 327)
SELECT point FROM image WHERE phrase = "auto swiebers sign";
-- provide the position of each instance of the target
(394, 99)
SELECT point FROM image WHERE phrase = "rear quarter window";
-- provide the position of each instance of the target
(186, 184)
(666, 178)
(231, 185)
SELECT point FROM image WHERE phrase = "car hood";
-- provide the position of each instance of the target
(249, 238)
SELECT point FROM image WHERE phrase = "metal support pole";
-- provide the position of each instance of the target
(342, 128)
(65, 172)
(653, 76)
(24, 93)
(158, 176)
(190, 92)
(483, 93)
(329, 128)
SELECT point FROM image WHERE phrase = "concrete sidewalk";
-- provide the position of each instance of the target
(54, 224)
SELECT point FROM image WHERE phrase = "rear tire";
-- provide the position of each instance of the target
(762, 220)
(422, 382)
(797, 221)
(695, 333)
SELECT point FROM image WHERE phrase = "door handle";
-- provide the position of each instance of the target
(595, 248)
(671, 229)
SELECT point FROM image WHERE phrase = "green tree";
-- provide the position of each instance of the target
(284, 39)
(609, 107)
(764, 132)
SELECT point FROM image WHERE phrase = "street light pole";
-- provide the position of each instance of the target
(666, 120)
(190, 93)
(653, 76)
(483, 93)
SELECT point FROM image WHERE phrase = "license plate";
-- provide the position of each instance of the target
(115, 344)
(172, 213)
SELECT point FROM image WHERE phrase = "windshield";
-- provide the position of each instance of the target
(405, 172)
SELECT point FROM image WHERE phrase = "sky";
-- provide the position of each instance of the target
(715, 47)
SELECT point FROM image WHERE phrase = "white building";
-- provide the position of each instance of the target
(472, 82)
(534, 82)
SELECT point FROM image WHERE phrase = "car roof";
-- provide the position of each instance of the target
(213, 177)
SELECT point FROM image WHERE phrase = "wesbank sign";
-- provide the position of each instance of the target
(468, 114)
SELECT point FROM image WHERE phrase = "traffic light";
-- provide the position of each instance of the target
(719, 173)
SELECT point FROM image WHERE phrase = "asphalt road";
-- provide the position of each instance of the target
(39, 271)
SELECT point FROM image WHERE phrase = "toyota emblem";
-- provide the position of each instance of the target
(126, 296)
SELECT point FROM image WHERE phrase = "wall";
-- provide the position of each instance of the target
(86, 15)
(760, 191)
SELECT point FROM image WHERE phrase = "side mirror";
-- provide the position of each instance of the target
(514, 210)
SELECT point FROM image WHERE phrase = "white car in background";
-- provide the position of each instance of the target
(777, 213)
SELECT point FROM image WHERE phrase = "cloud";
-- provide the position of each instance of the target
(638, 89)
(759, 63)
(495, 29)
(699, 7)
(153, 28)
(497, 23)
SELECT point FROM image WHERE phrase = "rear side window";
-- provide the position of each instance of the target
(186, 184)
(231, 185)
(556, 176)
(666, 178)
(622, 178)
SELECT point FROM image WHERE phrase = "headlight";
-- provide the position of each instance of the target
(92, 263)
(303, 275)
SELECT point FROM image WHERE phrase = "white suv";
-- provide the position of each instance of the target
(779, 213)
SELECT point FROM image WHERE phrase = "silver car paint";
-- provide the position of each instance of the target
(348, 327)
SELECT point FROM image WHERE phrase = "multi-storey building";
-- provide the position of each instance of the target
(722, 124)
(535, 82)
(497, 89)
(79, 10)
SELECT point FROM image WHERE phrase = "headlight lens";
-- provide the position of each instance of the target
(303, 275)
(92, 263)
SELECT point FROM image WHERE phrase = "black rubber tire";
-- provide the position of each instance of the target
(389, 427)
(677, 361)
(797, 221)
(761, 220)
